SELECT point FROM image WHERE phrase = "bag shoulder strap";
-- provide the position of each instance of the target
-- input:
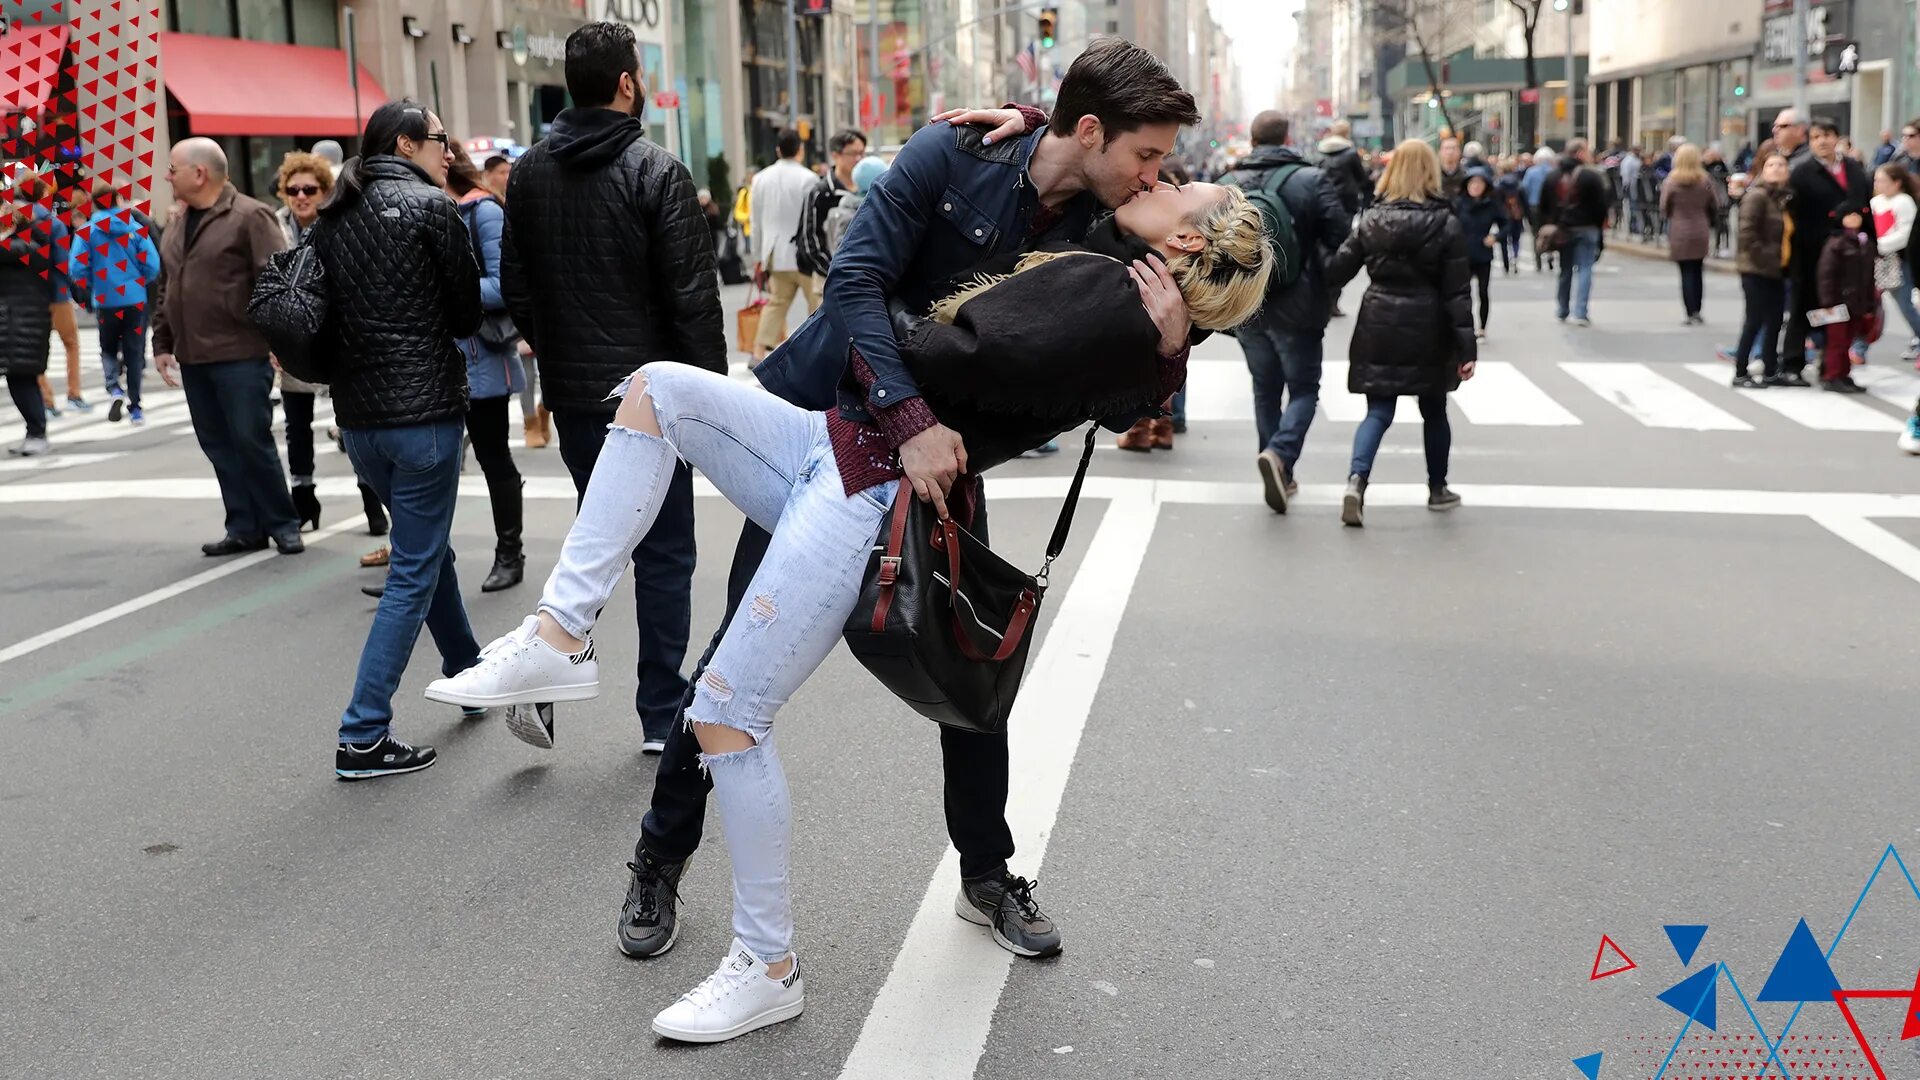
(1064, 524)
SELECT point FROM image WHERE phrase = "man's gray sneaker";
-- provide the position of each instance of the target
(648, 920)
(31, 446)
(1006, 904)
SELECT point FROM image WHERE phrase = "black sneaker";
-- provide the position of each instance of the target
(648, 920)
(388, 757)
(1789, 378)
(1005, 903)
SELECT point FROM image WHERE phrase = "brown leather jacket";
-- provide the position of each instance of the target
(202, 314)
(1763, 228)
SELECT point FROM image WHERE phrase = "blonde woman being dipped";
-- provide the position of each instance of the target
(1036, 343)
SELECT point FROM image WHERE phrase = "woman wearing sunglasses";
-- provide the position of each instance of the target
(305, 180)
(402, 289)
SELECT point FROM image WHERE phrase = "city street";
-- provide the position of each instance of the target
(1305, 800)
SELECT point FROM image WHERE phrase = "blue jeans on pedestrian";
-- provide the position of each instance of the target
(123, 349)
(233, 421)
(1438, 434)
(1903, 296)
(1579, 250)
(775, 463)
(1285, 365)
(662, 574)
(415, 470)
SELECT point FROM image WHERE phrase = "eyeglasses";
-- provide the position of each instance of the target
(441, 138)
(1781, 127)
(308, 190)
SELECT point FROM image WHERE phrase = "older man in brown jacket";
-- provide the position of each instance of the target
(202, 337)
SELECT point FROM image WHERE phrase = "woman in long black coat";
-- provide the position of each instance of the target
(25, 321)
(1414, 337)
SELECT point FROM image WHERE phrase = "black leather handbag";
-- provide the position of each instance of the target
(945, 623)
(289, 305)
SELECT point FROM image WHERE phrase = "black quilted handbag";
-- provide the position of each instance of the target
(289, 305)
(945, 623)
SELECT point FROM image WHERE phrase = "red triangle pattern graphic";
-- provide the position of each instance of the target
(86, 80)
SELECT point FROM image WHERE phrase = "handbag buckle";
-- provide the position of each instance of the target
(889, 569)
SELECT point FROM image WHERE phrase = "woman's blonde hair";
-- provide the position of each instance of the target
(1686, 166)
(299, 161)
(1225, 281)
(1412, 173)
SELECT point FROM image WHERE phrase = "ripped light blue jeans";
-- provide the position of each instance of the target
(774, 462)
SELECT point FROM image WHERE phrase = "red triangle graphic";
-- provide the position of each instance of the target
(1599, 957)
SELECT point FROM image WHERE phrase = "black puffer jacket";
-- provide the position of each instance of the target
(607, 263)
(26, 291)
(1415, 326)
(402, 287)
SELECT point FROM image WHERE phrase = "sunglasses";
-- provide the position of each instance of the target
(441, 138)
(308, 190)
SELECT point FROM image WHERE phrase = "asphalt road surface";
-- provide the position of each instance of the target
(1307, 801)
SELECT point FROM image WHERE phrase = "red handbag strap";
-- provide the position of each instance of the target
(890, 561)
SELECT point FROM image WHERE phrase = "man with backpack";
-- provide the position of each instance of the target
(812, 248)
(1306, 221)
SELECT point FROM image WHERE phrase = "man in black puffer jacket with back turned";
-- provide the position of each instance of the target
(607, 265)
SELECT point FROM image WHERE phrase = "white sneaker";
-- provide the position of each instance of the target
(520, 669)
(1910, 437)
(735, 999)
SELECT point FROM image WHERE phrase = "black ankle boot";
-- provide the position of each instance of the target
(306, 504)
(508, 571)
(376, 514)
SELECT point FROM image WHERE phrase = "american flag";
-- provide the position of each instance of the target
(1029, 61)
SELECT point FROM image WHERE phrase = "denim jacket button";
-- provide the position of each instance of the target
(948, 207)
(979, 232)
(879, 393)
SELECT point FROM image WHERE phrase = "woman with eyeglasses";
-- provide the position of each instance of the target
(304, 182)
(402, 290)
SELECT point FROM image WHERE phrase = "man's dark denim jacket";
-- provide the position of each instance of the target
(948, 202)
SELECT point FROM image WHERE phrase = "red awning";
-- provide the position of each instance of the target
(233, 87)
(30, 66)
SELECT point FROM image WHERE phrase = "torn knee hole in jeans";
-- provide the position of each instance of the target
(763, 610)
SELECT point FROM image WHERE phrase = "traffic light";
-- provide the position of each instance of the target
(1049, 21)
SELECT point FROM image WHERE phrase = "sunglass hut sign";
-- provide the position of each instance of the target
(546, 47)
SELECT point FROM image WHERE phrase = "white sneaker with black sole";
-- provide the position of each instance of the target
(521, 669)
(737, 998)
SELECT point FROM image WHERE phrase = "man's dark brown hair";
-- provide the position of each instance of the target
(1123, 86)
(1270, 129)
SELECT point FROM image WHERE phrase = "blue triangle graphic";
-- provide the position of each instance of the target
(1686, 940)
(1801, 973)
(1589, 1065)
(1697, 996)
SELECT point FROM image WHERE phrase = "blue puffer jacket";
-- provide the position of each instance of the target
(113, 260)
(492, 370)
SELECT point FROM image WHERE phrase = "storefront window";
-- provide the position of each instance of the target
(1658, 120)
(702, 139)
(263, 20)
(1732, 99)
(264, 154)
(201, 17)
(316, 22)
(1694, 105)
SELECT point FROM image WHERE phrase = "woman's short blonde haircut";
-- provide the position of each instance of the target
(1413, 173)
(1686, 166)
(299, 161)
(1225, 282)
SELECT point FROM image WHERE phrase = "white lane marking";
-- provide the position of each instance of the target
(1219, 390)
(1901, 388)
(1873, 540)
(1207, 492)
(1336, 403)
(72, 426)
(1814, 409)
(1652, 398)
(56, 461)
(931, 1018)
(1499, 394)
(165, 592)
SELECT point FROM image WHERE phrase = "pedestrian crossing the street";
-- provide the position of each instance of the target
(1683, 397)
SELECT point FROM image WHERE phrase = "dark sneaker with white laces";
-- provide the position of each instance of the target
(388, 757)
(649, 920)
(1005, 903)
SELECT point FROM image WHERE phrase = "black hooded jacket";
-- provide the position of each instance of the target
(1320, 223)
(1415, 326)
(402, 288)
(606, 262)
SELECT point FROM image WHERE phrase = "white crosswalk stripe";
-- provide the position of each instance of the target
(1652, 398)
(1817, 410)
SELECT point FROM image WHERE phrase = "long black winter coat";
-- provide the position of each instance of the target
(26, 291)
(402, 288)
(1415, 326)
(607, 262)
(1320, 223)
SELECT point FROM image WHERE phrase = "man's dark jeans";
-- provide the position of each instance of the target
(662, 574)
(975, 765)
(233, 420)
(123, 349)
(1286, 366)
